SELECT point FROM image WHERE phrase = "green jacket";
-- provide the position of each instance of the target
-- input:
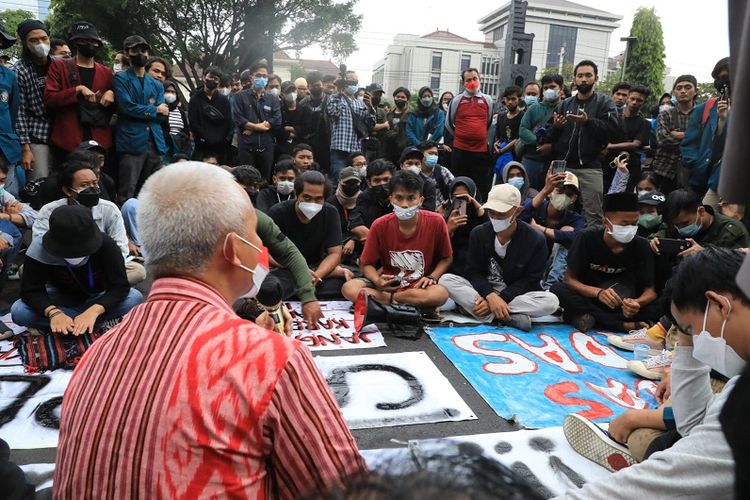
(534, 117)
(285, 253)
(725, 232)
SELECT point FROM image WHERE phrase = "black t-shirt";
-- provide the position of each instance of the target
(632, 128)
(87, 76)
(593, 263)
(507, 128)
(312, 239)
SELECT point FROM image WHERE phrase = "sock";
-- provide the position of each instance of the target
(657, 332)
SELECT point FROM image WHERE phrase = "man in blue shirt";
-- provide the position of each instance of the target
(141, 110)
(9, 103)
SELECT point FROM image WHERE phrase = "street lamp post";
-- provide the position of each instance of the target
(627, 40)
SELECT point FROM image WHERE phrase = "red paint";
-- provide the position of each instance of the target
(593, 349)
(617, 461)
(554, 356)
(558, 393)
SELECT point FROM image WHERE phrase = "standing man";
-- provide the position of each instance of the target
(257, 117)
(33, 126)
(210, 117)
(302, 89)
(508, 123)
(620, 94)
(316, 131)
(279, 434)
(631, 137)
(79, 94)
(141, 111)
(670, 130)
(351, 120)
(583, 126)
(469, 119)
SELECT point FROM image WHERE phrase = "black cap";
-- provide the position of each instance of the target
(374, 87)
(72, 232)
(134, 41)
(652, 198)
(410, 152)
(30, 25)
(288, 87)
(621, 202)
(84, 30)
(721, 65)
(6, 40)
(92, 145)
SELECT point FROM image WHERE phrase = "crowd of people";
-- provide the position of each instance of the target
(556, 199)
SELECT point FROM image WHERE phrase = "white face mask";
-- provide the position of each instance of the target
(551, 95)
(170, 98)
(285, 187)
(623, 234)
(715, 352)
(500, 225)
(414, 169)
(259, 273)
(291, 97)
(77, 261)
(274, 92)
(225, 91)
(117, 68)
(407, 213)
(310, 210)
(40, 50)
(363, 171)
(560, 201)
(642, 193)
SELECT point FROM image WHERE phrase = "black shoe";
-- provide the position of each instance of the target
(520, 321)
(584, 322)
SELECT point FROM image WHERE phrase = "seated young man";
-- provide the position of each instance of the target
(514, 173)
(303, 158)
(711, 312)
(650, 207)
(460, 226)
(358, 160)
(281, 189)
(14, 217)
(374, 201)
(406, 252)
(505, 263)
(431, 169)
(551, 213)
(74, 277)
(610, 277)
(344, 199)
(411, 160)
(80, 185)
(313, 226)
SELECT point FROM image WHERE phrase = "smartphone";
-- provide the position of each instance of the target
(459, 204)
(558, 166)
(670, 246)
(621, 157)
(396, 281)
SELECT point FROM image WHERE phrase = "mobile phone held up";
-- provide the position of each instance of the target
(459, 206)
(558, 166)
(670, 246)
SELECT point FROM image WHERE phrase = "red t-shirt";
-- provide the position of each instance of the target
(470, 125)
(408, 258)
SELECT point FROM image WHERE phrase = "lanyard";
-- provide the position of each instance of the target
(91, 276)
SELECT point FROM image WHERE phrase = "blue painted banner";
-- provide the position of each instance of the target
(537, 378)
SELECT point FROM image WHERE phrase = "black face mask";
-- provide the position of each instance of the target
(381, 192)
(211, 84)
(86, 50)
(585, 88)
(89, 197)
(375, 101)
(138, 61)
(350, 189)
(721, 83)
(400, 104)
(317, 92)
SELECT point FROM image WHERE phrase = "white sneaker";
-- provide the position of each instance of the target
(634, 338)
(652, 368)
(594, 443)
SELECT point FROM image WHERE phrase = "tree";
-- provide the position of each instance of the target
(231, 34)
(567, 73)
(646, 53)
(705, 90)
(11, 19)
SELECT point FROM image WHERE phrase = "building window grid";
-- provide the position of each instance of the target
(560, 36)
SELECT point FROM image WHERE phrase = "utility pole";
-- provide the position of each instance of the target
(627, 40)
(562, 55)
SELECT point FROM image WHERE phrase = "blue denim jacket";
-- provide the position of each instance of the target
(136, 113)
(9, 103)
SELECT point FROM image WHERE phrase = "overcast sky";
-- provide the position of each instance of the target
(695, 33)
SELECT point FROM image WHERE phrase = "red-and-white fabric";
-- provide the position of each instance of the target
(186, 400)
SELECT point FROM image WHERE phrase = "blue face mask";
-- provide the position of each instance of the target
(352, 89)
(530, 99)
(673, 99)
(691, 230)
(517, 182)
(260, 82)
(431, 160)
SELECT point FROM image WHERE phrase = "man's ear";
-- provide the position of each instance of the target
(230, 247)
(722, 302)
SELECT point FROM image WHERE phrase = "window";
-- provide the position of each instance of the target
(498, 33)
(465, 62)
(561, 36)
(437, 61)
(435, 82)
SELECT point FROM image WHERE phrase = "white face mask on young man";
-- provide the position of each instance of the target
(500, 225)
(714, 351)
(623, 234)
(310, 210)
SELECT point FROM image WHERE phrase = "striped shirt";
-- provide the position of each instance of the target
(176, 124)
(186, 400)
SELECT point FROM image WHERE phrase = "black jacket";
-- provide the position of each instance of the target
(523, 266)
(248, 107)
(581, 145)
(210, 128)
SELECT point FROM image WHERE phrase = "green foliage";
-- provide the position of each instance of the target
(606, 85)
(567, 73)
(705, 90)
(10, 20)
(231, 34)
(297, 71)
(646, 54)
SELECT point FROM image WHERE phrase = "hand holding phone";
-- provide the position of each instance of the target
(459, 205)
